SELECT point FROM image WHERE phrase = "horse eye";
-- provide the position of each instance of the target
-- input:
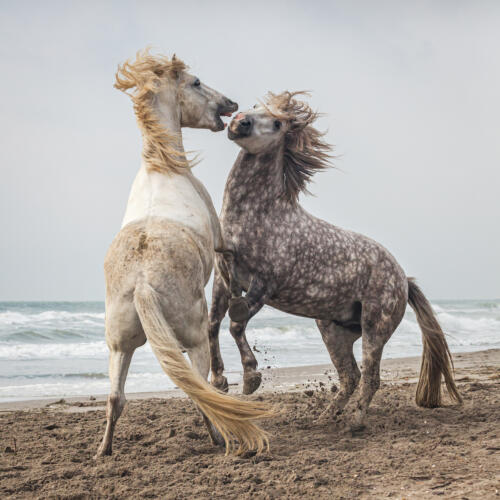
(277, 124)
(255, 106)
(197, 82)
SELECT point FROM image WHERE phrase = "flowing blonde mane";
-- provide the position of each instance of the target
(305, 151)
(147, 75)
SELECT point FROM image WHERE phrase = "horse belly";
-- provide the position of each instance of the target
(326, 308)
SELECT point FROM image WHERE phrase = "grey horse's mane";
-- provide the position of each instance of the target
(305, 150)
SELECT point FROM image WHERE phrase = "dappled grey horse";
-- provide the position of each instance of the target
(282, 256)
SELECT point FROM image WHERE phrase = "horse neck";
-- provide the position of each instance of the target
(255, 180)
(173, 194)
(166, 109)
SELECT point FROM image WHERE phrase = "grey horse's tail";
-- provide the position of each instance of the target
(436, 358)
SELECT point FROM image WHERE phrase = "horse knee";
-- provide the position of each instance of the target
(213, 328)
(349, 377)
(236, 329)
(349, 383)
(114, 408)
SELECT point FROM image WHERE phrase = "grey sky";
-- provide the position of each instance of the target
(411, 96)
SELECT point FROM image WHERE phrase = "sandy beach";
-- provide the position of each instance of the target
(161, 448)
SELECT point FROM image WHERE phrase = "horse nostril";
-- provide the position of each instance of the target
(245, 123)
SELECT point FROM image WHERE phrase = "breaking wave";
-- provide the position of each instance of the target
(58, 349)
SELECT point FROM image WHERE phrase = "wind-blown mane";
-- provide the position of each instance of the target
(147, 75)
(305, 151)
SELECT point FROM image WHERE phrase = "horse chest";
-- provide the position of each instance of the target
(172, 197)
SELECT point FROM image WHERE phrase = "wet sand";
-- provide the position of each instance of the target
(161, 448)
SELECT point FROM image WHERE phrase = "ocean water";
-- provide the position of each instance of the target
(57, 349)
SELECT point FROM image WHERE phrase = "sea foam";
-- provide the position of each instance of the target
(58, 349)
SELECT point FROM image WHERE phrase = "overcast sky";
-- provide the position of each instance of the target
(411, 96)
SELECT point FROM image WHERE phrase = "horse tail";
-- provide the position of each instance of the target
(232, 417)
(436, 358)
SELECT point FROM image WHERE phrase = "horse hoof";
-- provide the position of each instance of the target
(102, 452)
(238, 309)
(216, 436)
(251, 382)
(221, 383)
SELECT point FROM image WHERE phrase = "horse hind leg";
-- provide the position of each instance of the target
(200, 359)
(376, 333)
(119, 363)
(339, 341)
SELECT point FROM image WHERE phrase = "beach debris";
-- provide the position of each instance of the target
(293, 478)
(58, 402)
(51, 427)
(320, 481)
(171, 433)
(135, 436)
(441, 485)
(420, 478)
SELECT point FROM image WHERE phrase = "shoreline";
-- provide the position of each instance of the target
(286, 379)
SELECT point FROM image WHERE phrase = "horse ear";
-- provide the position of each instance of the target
(176, 67)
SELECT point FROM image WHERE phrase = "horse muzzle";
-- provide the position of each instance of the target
(227, 108)
(240, 126)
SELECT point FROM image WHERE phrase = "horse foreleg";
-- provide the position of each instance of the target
(339, 342)
(119, 363)
(217, 312)
(251, 377)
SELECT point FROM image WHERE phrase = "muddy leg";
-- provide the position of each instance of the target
(339, 342)
(218, 310)
(119, 363)
(376, 333)
(251, 377)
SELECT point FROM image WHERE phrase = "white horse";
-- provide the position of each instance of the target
(160, 261)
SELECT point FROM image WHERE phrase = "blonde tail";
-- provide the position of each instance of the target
(436, 358)
(232, 417)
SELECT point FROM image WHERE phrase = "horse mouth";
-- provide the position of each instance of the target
(223, 111)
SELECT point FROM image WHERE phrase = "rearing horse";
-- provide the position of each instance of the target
(160, 261)
(283, 256)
